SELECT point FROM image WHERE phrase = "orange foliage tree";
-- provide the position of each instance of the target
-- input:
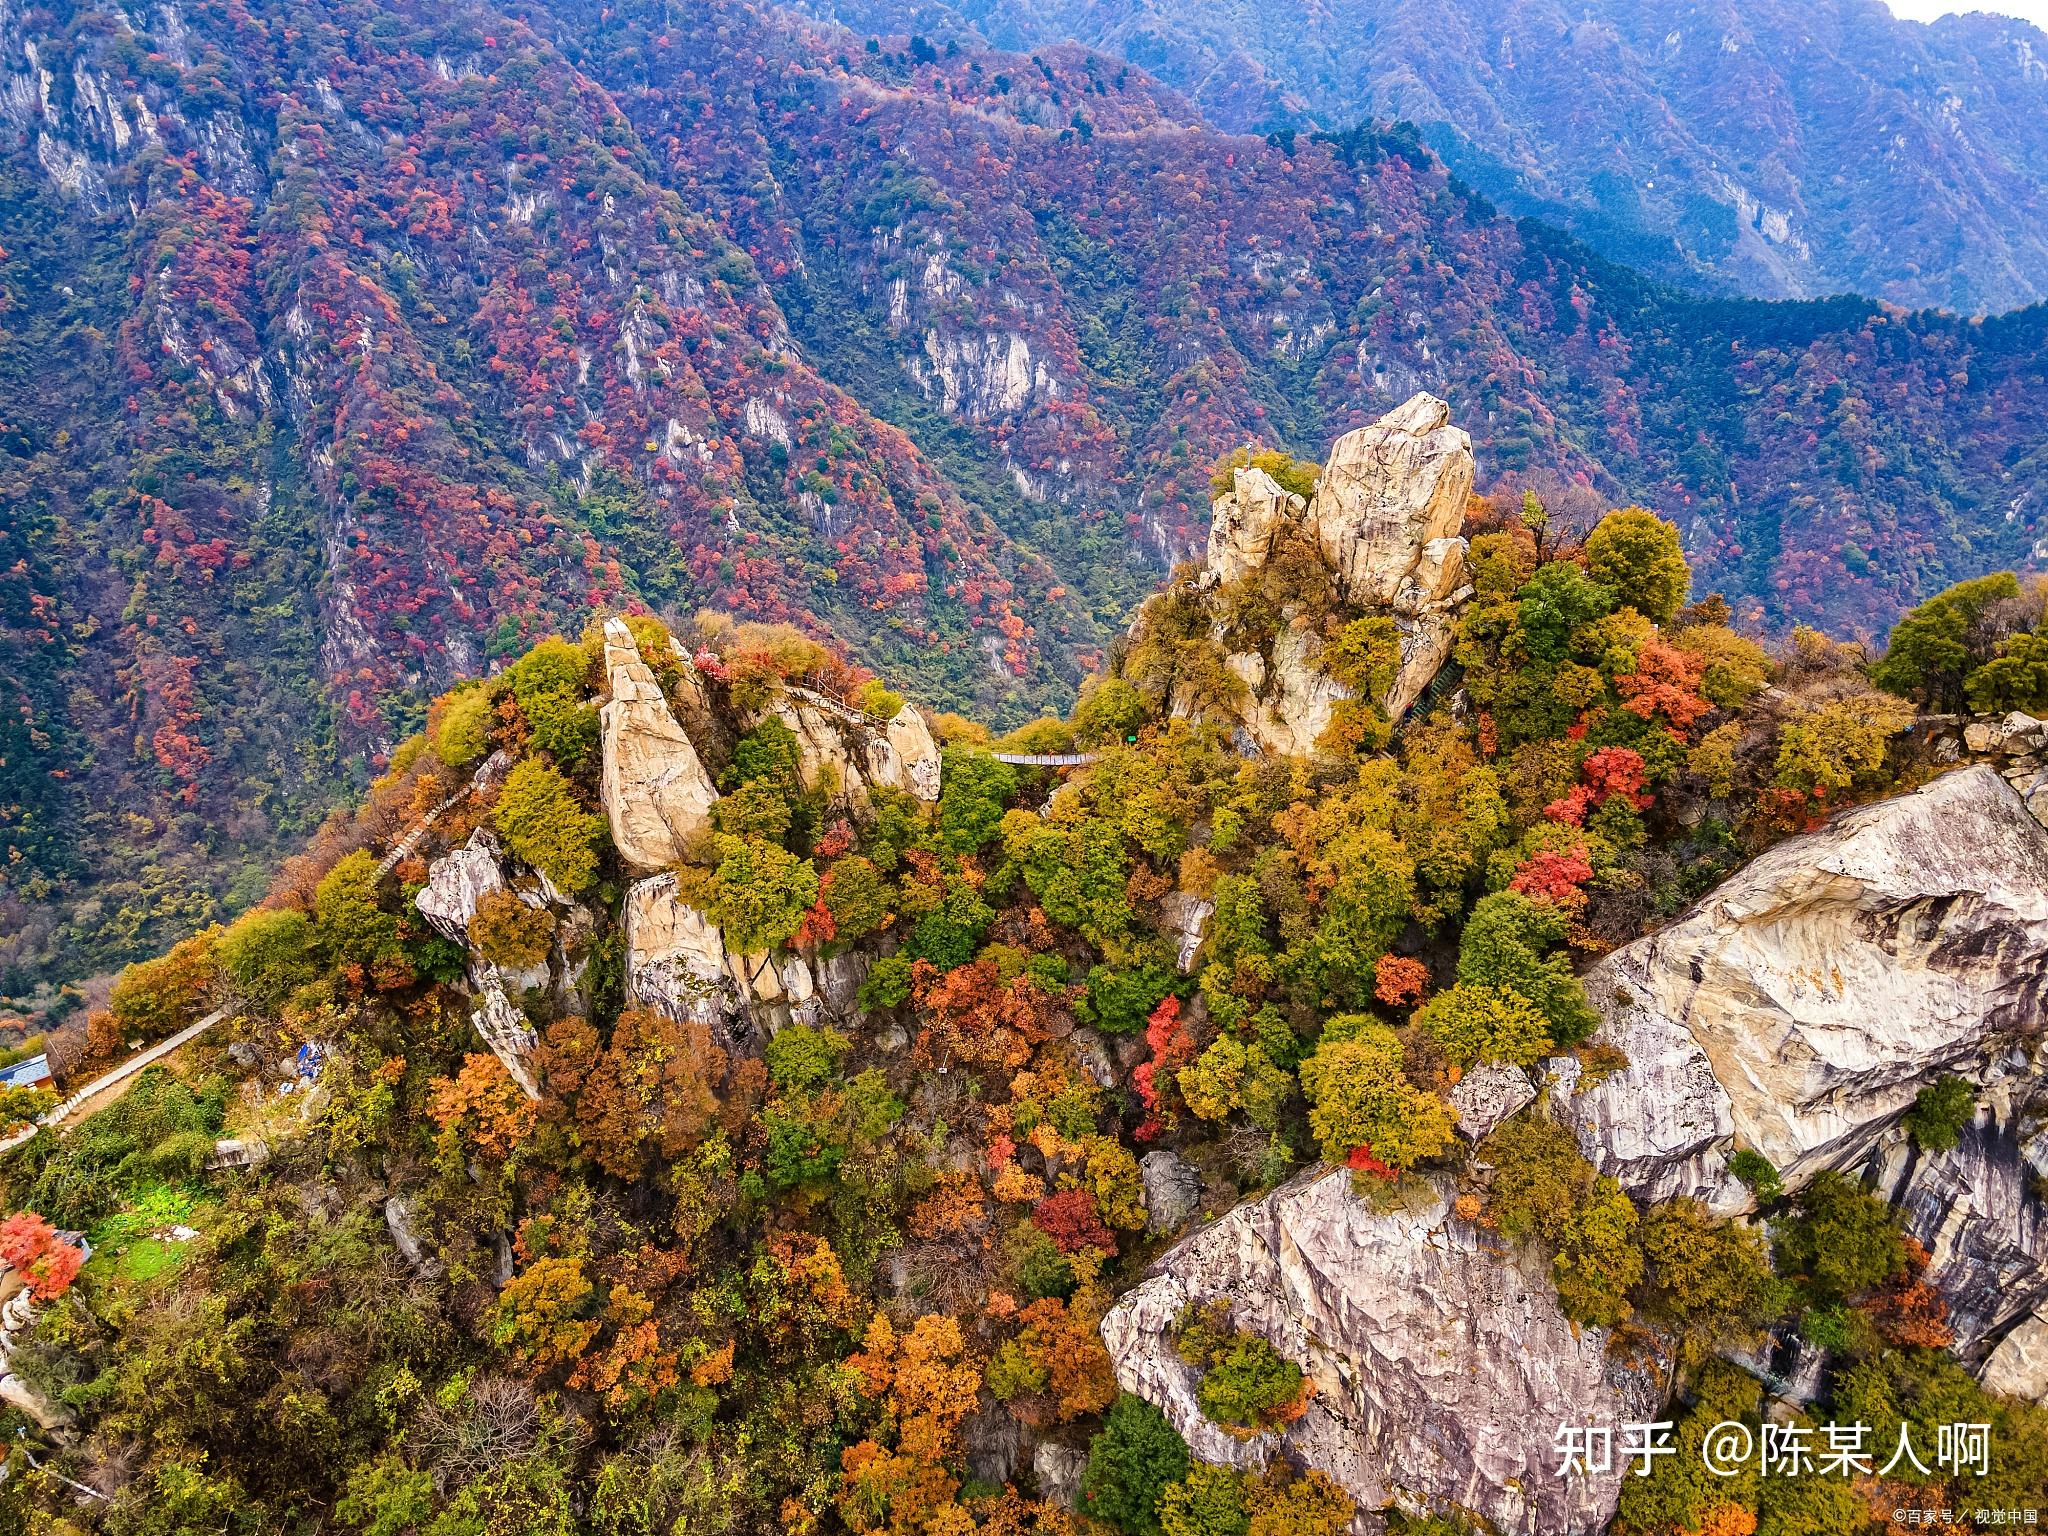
(483, 1106)
(924, 1383)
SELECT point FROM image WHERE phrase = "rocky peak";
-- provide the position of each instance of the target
(844, 751)
(656, 793)
(1390, 503)
(1244, 521)
(1385, 518)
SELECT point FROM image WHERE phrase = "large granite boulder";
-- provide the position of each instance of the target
(1442, 1364)
(1244, 522)
(457, 881)
(676, 961)
(1387, 510)
(656, 793)
(1801, 1006)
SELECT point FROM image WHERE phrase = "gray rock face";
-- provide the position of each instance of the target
(503, 1028)
(676, 961)
(1291, 702)
(656, 793)
(1173, 1191)
(1971, 1208)
(2019, 1366)
(1489, 1094)
(1441, 1362)
(457, 881)
(1058, 1469)
(1186, 916)
(1801, 1006)
(1244, 522)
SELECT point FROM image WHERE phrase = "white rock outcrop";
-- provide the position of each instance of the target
(503, 1028)
(1442, 1365)
(845, 752)
(656, 793)
(1489, 1094)
(2019, 1366)
(1800, 1007)
(675, 956)
(1294, 701)
(457, 881)
(1244, 522)
(1387, 510)
(905, 756)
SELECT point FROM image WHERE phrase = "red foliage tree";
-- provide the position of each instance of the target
(1073, 1220)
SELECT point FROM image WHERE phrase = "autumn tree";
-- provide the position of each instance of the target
(1359, 1097)
(925, 1383)
(655, 1086)
(508, 931)
(483, 1106)
(1475, 1024)
(545, 826)
(1637, 555)
(155, 997)
(544, 1313)
(30, 1246)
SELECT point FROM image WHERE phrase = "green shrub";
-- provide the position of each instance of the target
(975, 791)
(353, 927)
(1131, 1463)
(802, 1057)
(887, 984)
(1939, 1113)
(462, 734)
(1248, 1387)
(1509, 944)
(270, 953)
(1636, 555)
(1839, 1239)
(546, 827)
(1475, 1024)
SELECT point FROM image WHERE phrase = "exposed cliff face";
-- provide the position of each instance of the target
(1384, 518)
(1801, 1007)
(1441, 1362)
(1803, 1004)
(844, 752)
(656, 793)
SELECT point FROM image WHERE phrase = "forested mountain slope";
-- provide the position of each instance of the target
(348, 347)
(700, 1093)
(1779, 148)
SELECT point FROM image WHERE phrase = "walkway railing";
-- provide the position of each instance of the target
(120, 1074)
(1046, 759)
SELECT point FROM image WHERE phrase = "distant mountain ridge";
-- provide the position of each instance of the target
(347, 347)
(1775, 148)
